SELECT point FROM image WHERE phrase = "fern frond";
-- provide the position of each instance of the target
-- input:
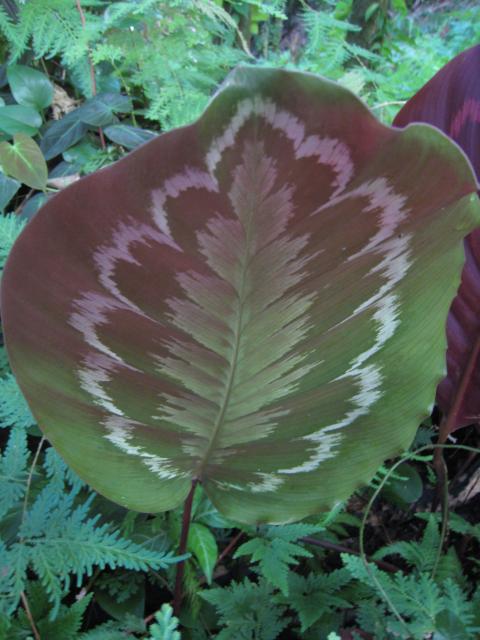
(14, 410)
(166, 625)
(106, 53)
(13, 563)
(456, 601)
(61, 539)
(290, 532)
(58, 472)
(275, 551)
(247, 610)
(372, 617)
(108, 631)
(7, 26)
(328, 49)
(417, 598)
(316, 595)
(450, 568)
(218, 14)
(420, 555)
(274, 557)
(13, 470)
(4, 364)
(66, 624)
(117, 11)
(10, 228)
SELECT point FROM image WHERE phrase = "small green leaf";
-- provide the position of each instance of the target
(128, 136)
(8, 188)
(30, 87)
(202, 544)
(24, 161)
(100, 110)
(16, 118)
(373, 8)
(62, 134)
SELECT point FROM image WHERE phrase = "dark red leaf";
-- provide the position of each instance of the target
(451, 102)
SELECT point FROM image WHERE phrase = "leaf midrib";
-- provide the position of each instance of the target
(234, 360)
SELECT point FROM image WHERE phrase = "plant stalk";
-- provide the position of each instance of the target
(93, 80)
(26, 606)
(326, 544)
(229, 548)
(30, 476)
(187, 512)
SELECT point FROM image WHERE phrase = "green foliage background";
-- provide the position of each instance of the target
(106, 77)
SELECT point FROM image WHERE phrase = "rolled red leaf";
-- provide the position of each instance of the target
(451, 102)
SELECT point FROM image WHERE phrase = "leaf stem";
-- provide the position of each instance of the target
(381, 105)
(93, 80)
(326, 544)
(30, 476)
(187, 512)
(230, 546)
(26, 606)
(444, 527)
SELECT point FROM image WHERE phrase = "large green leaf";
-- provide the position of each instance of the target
(256, 301)
(24, 161)
(30, 87)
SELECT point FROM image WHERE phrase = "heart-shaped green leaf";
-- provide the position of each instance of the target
(256, 301)
(62, 135)
(15, 118)
(24, 161)
(30, 87)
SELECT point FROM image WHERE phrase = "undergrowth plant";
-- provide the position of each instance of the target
(168, 56)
